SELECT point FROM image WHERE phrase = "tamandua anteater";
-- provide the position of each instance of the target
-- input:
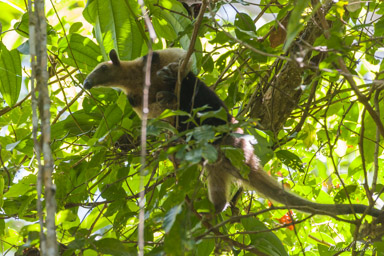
(129, 77)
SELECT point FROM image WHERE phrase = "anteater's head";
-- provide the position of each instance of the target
(129, 75)
(115, 73)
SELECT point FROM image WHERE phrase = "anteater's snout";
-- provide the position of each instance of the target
(87, 84)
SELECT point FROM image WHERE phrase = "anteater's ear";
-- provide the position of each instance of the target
(114, 58)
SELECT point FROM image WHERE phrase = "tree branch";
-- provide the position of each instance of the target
(361, 97)
(38, 50)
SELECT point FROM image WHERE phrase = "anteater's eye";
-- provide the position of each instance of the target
(104, 68)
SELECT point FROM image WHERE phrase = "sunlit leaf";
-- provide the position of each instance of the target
(291, 160)
(81, 52)
(170, 217)
(10, 74)
(1, 191)
(112, 116)
(22, 187)
(341, 196)
(117, 26)
(295, 23)
(112, 246)
(265, 242)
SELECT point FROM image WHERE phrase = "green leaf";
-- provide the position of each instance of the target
(25, 205)
(112, 191)
(203, 133)
(112, 246)
(111, 117)
(2, 227)
(290, 160)
(22, 27)
(81, 52)
(205, 247)
(220, 114)
(176, 240)
(193, 156)
(244, 21)
(209, 152)
(355, 166)
(11, 146)
(117, 25)
(379, 247)
(121, 218)
(64, 216)
(245, 27)
(75, 27)
(1, 191)
(10, 74)
(266, 242)
(170, 217)
(166, 24)
(236, 156)
(9, 12)
(75, 124)
(309, 135)
(22, 187)
(173, 26)
(295, 24)
(341, 196)
(20, 115)
(370, 136)
(379, 27)
(379, 188)
(262, 146)
(168, 113)
(325, 250)
(114, 207)
(122, 101)
(187, 181)
(208, 63)
(24, 48)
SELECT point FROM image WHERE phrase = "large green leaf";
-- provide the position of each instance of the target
(81, 52)
(8, 13)
(1, 191)
(295, 23)
(168, 25)
(245, 27)
(112, 246)
(172, 26)
(342, 196)
(116, 26)
(23, 187)
(170, 217)
(236, 156)
(379, 27)
(370, 136)
(112, 116)
(291, 160)
(74, 125)
(22, 27)
(10, 74)
(264, 241)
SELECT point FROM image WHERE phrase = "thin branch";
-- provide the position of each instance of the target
(7, 109)
(144, 120)
(377, 145)
(361, 97)
(38, 50)
(231, 242)
(35, 121)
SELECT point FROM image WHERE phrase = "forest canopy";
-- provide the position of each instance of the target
(305, 78)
